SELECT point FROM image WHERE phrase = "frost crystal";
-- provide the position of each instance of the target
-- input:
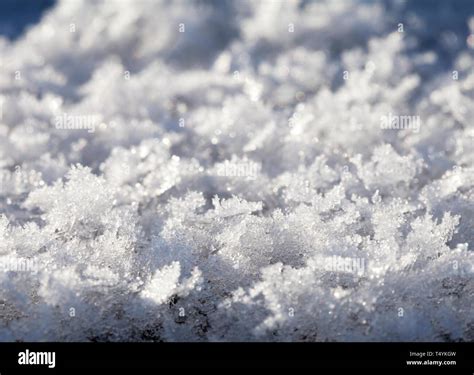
(238, 170)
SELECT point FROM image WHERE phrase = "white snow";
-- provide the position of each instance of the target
(193, 171)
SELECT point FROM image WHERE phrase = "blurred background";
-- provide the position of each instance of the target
(441, 25)
(16, 15)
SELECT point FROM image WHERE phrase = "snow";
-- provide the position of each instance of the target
(238, 171)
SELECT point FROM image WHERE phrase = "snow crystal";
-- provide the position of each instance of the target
(238, 170)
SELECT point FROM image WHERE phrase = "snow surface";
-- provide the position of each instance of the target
(196, 170)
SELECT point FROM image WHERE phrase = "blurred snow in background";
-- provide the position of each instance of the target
(220, 170)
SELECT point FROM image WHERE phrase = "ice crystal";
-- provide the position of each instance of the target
(238, 170)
